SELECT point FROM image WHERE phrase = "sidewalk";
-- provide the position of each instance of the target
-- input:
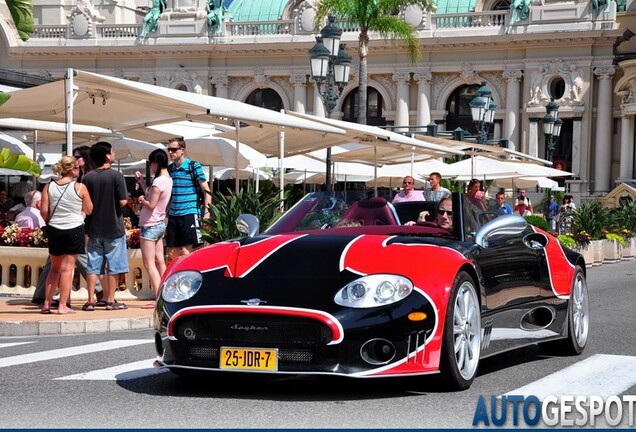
(19, 317)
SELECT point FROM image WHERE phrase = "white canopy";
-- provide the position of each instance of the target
(14, 145)
(221, 152)
(230, 173)
(484, 168)
(118, 104)
(524, 182)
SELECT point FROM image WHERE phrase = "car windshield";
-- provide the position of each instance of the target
(359, 209)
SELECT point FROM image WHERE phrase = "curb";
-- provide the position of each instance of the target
(41, 328)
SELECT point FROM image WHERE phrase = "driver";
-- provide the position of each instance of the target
(443, 217)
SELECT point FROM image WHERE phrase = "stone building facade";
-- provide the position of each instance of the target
(574, 51)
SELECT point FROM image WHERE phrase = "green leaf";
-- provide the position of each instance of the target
(22, 13)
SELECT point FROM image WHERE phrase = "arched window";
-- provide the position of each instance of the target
(458, 107)
(265, 98)
(375, 107)
(501, 5)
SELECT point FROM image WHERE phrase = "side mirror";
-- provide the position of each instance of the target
(247, 224)
(501, 225)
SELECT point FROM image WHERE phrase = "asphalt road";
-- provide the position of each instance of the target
(106, 381)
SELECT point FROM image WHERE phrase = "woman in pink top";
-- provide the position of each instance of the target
(152, 217)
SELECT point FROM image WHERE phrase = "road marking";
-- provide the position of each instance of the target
(128, 371)
(601, 374)
(72, 351)
(10, 344)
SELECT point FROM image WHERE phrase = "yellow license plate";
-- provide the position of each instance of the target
(258, 359)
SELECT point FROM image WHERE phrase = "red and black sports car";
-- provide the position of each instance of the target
(345, 288)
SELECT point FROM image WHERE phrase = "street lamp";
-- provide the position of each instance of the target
(482, 109)
(330, 66)
(551, 128)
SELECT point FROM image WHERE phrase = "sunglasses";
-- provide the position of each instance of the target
(445, 212)
(77, 156)
(173, 149)
(407, 182)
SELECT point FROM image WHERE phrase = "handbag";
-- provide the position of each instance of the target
(45, 228)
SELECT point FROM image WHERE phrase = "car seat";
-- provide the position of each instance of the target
(371, 211)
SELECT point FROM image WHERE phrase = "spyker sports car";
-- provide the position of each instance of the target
(343, 287)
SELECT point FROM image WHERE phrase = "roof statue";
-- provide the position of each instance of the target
(152, 17)
(596, 4)
(519, 10)
(216, 16)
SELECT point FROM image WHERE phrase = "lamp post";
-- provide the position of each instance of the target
(482, 109)
(330, 66)
(551, 128)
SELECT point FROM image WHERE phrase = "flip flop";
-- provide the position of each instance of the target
(45, 311)
(116, 306)
(88, 306)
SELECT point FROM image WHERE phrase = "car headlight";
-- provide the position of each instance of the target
(373, 291)
(181, 286)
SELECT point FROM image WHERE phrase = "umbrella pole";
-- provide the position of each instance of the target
(257, 172)
(35, 155)
(375, 169)
(281, 168)
(236, 158)
(211, 178)
(70, 101)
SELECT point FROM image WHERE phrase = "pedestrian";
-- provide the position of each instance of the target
(550, 209)
(64, 204)
(476, 196)
(5, 202)
(526, 199)
(502, 207)
(82, 154)
(566, 215)
(190, 191)
(408, 192)
(521, 208)
(152, 217)
(105, 227)
(20, 189)
(436, 192)
(31, 217)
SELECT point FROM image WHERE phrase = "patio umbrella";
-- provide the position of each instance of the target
(14, 145)
(244, 174)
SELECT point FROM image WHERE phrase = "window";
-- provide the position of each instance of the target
(265, 98)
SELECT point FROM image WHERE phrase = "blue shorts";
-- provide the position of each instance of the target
(153, 232)
(107, 250)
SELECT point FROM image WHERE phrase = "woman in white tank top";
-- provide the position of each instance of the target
(65, 203)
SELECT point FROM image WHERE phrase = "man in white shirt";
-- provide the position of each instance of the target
(30, 217)
(436, 192)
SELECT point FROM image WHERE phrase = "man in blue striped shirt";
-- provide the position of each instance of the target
(188, 181)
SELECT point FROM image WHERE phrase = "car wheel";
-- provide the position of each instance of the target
(578, 320)
(461, 345)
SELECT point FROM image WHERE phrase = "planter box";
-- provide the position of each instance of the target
(588, 254)
(611, 251)
(20, 269)
(598, 251)
(629, 251)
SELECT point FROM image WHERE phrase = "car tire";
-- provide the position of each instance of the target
(578, 320)
(461, 344)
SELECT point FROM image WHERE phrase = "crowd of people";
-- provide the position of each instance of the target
(83, 211)
(558, 217)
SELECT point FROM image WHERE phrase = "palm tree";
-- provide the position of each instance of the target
(22, 13)
(373, 16)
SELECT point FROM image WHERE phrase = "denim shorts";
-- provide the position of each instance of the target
(111, 251)
(153, 232)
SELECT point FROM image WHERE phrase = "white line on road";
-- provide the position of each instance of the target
(10, 344)
(128, 371)
(601, 374)
(72, 351)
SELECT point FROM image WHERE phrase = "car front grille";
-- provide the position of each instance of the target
(285, 355)
(252, 330)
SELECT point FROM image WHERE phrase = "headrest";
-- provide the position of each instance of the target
(375, 202)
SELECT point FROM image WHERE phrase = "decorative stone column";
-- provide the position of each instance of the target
(300, 91)
(627, 147)
(402, 101)
(220, 83)
(577, 135)
(319, 107)
(423, 99)
(603, 150)
(513, 78)
(533, 137)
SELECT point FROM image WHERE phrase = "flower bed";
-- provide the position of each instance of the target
(13, 235)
